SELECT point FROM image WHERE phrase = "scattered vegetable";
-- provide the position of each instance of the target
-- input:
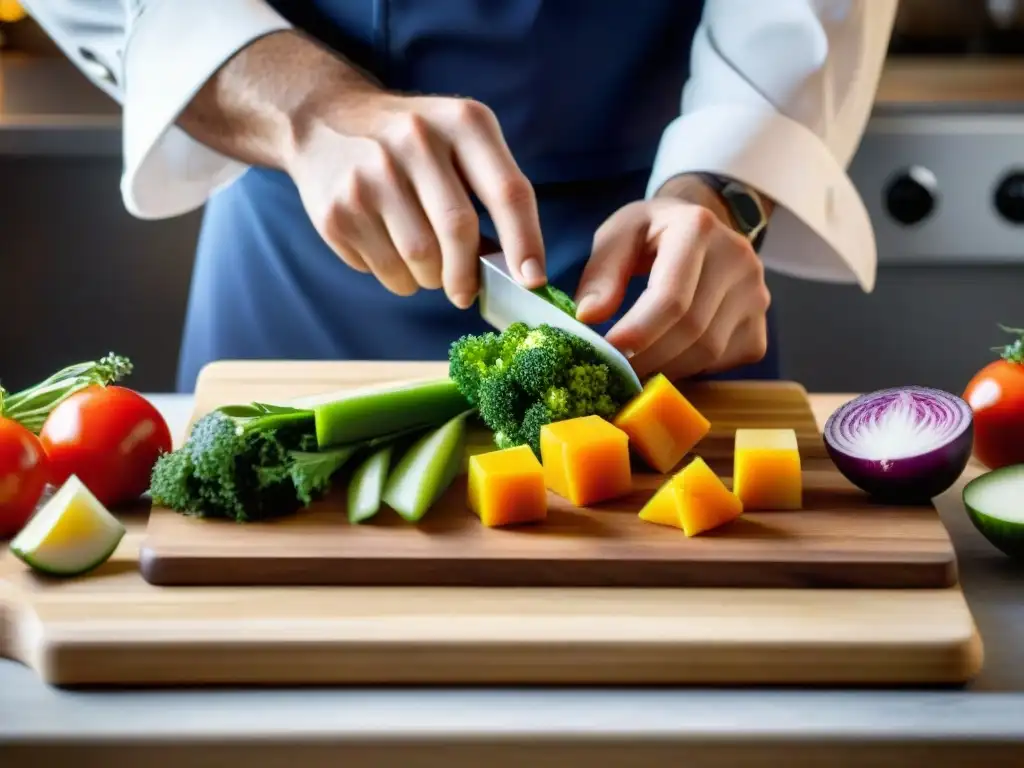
(995, 504)
(246, 466)
(694, 500)
(506, 487)
(31, 407)
(427, 469)
(996, 396)
(586, 460)
(23, 476)
(663, 426)
(904, 444)
(109, 437)
(366, 486)
(366, 413)
(521, 379)
(766, 469)
(71, 534)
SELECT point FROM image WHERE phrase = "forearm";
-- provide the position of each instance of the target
(256, 108)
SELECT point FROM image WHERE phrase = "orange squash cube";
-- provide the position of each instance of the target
(766, 469)
(586, 460)
(506, 487)
(694, 500)
(663, 426)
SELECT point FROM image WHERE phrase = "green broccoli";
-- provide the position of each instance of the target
(557, 297)
(523, 378)
(246, 464)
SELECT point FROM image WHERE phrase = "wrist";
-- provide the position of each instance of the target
(747, 213)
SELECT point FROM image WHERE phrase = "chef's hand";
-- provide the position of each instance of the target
(704, 307)
(386, 180)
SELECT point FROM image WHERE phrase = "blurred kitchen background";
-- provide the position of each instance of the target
(941, 169)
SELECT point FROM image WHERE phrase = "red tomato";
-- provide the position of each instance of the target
(110, 438)
(23, 476)
(996, 395)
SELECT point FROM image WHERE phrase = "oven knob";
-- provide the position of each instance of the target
(910, 195)
(1009, 197)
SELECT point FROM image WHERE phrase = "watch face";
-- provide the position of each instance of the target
(745, 208)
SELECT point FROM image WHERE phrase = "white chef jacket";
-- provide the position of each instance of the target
(778, 97)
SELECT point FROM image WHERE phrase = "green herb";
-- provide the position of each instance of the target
(30, 407)
(1014, 352)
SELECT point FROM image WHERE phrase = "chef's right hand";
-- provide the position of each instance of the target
(386, 180)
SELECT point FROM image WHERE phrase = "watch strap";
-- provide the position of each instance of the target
(745, 205)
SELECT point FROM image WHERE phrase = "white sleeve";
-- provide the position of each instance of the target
(778, 97)
(153, 56)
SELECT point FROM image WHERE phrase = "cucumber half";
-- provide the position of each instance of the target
(995, 504)
(72, 533)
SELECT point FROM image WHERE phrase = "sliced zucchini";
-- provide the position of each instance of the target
(366, 486)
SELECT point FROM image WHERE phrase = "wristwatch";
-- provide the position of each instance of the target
(744, 203)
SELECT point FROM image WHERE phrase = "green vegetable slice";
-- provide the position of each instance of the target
(366, 487)
(995, 504)
(360, 415)
(426, 469)
(311, 471)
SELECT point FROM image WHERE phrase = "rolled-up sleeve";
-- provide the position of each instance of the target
(778, 97)
(153, 57)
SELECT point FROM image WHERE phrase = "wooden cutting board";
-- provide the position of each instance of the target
(111, 628)
(840, 539)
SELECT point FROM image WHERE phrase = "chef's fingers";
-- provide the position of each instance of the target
(442, 196)
(747, 345)
(410, 231)
(369, 236)
(617, 245)
(486, 163)
(682, 237)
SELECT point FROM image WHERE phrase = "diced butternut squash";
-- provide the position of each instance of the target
(506, 487)
(586, 460)
(694, 500)
(766, 469)
(663, 426)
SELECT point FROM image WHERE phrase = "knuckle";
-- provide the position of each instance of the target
(515, 191)
(412, 132)
(714, 344)
(471, 113)
(674, 307)
(763, 297)
(704, 221)
(421, 249)
(460, 222)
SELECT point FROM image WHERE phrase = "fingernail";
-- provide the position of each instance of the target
(532, 271)
(586, 302)
(627, 353)
(463, 300)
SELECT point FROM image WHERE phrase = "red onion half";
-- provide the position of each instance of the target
(904, 445)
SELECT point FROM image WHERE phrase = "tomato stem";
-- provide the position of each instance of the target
(31, 406)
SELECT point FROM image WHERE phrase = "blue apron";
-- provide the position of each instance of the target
(583, 90)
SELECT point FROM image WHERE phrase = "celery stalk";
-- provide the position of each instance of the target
(368, 413)
(426, 469)
(367, 485)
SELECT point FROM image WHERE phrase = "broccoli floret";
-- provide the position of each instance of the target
(469, 359)
(244, 468)
(540, 375)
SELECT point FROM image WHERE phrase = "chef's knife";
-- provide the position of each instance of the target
(503, 301)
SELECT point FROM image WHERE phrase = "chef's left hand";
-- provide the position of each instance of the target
(704, 307)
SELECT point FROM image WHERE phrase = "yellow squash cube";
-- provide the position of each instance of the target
(694, 500)
(766, 469)
(586, 460)
(663, 426)
(507, 487)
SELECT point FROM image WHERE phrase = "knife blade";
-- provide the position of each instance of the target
(503, 301)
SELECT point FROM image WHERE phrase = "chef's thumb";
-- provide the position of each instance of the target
(608, 271)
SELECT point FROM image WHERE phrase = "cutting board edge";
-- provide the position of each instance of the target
(956, 662)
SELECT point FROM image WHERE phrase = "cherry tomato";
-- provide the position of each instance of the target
(996, 395)
(23, 476)
(110, 438)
